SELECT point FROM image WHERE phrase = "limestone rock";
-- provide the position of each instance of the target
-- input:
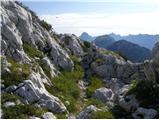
(143, 113)
(87, 112)
(36, 92)
(103, 94)
(128, 103)
(48, 115)
(73, 43)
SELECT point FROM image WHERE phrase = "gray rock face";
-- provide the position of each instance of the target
(48, 115)
(73, 43)
(128, 103)
(87, 112)
(103, 94)
(20, 26)
(143, 113)
(11, 88)
(47, 63)
(33, 91)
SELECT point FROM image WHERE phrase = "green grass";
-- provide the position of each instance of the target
(95, 84)
(102, 115)
(107, 52)
(93, 101)
(9, 97)
(66, 87)
(32, 52)
(22, 112)
(19, 72)
(18, 111)
(45, 69)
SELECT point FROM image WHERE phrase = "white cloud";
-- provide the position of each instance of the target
(96, 24)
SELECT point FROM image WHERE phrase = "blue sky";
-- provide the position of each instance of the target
(105, 16)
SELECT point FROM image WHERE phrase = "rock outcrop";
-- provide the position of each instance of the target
(87, 112)
(104, 94)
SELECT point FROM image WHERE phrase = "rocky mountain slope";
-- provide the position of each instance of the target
(132, 51)
(48, 75)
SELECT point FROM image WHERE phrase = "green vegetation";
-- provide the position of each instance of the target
(9, 97)
(66, 87)
(102, 115)
(45, 25)
(19, 72)
(18, 111)
(45, 69)
(95, 84)
(107, 52)
(93, 101)
(146, 92)
(22, 112)
(32, 52)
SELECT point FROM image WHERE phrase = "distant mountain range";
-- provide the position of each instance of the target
(132, 51)
(104, 41)
(144, 40)
(86, 37)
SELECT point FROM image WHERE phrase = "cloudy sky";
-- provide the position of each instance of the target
(99, 16)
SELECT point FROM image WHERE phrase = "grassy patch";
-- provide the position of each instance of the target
(9, 97)
(107, 52)
(102, 115)
(45, 69)
(22, 112)
(66, 87)
(95, 84)
(32, 52)
(93, 101)
(19, 72)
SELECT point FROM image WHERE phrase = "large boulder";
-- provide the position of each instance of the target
(33, 91)
(73, 43)
(143, 113)
(87, 112)
(103, 94)
(128, 103)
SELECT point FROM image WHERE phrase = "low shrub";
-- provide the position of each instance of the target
(19, 72)
(22, 112)
(45, 25)
(146, 92)
(32, 52)
(95, 84)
